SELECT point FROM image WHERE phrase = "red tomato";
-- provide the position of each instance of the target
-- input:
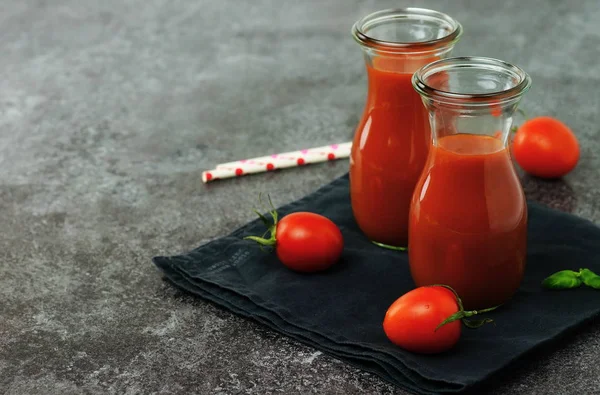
(545, 147)
(305, 242)
(308, 242)
(411, 320)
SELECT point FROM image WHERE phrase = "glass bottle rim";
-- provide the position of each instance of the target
(361, 27)
(522, 85)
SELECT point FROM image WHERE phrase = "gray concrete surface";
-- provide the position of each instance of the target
(109, 110)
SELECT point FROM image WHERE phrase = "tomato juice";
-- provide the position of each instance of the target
(468, 221)
(389, 151)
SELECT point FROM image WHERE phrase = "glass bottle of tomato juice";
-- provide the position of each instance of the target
(468, 217)
(393, 137)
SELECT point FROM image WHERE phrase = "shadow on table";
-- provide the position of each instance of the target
(556, 194)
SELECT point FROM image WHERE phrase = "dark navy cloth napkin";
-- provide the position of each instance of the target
(340, 311)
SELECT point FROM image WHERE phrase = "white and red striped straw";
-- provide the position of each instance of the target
(277, 161)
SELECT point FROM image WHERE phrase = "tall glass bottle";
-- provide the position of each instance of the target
(392, 140)
(468, 218)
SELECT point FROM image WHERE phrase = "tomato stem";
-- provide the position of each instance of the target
(262, 241)
(461, 314)
(458, 300)
(475, 312)
(389, 247)
(272, 226)
(263, 218)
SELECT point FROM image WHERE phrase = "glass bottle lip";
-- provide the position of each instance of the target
(361, 28)
(484, 64)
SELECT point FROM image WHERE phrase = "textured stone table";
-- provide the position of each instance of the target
(109, 110)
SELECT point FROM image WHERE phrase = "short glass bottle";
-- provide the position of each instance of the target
(468, 217)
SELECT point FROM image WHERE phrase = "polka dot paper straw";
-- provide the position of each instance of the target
(277, 161)
(332, 151)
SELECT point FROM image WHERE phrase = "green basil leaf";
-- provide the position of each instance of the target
(474, 324)
(593, 282)
(589, 278)
(565, 279)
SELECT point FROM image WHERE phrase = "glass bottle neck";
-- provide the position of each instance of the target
(491, 121)
(471, 95)
(401, 62)
(390, 75)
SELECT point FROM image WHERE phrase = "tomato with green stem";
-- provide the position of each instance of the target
(303, 241)
(427, 320)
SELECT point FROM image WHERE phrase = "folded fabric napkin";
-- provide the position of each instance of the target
(340, 311)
